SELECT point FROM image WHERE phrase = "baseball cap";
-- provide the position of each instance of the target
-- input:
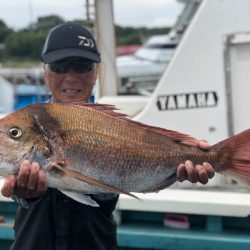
(70, 40)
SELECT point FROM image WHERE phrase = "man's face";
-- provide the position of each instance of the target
(68, 84)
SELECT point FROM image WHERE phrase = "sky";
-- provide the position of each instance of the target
(18, 14)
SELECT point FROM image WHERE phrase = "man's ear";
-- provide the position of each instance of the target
(97, 70)
(45, 73)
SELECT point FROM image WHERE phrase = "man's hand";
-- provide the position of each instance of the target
(30, 182)
(198, 173)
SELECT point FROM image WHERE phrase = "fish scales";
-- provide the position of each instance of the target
(93, 149)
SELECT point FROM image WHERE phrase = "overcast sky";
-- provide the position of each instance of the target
(18, 14)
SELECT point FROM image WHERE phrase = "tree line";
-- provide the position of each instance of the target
(26, 44)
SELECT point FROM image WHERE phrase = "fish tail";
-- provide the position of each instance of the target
(236, 150)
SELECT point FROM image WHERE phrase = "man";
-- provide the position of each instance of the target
(47, 219)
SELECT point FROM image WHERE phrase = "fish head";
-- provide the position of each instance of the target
(19, 136)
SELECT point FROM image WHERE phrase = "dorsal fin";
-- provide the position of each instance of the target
(110, 110)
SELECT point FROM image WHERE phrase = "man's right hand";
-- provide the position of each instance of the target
(30, 182)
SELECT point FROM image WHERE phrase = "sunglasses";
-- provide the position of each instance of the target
(78, 66)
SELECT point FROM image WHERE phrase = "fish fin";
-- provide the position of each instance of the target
(237, 150)
(109, 109)
(104, 108)
(82, 198)
(164, 184)
(92, 181)
(96, 106)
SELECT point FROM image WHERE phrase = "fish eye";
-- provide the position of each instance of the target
(15, 132)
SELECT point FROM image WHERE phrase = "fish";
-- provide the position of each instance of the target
(93, 148)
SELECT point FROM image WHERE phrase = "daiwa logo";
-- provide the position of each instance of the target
(88, 42)
(187, 101)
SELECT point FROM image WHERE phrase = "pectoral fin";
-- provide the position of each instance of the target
(92, 181)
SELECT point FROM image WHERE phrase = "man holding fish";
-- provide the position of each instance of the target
(47, 218)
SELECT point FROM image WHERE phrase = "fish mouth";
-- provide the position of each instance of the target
(71, 91)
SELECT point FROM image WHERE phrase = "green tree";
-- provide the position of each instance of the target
(25, 44)
(4, 31)
(47, 22)
(130, 35)
(28, 42)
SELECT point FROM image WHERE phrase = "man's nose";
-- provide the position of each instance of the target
(71, 71)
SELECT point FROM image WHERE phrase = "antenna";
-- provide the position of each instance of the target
(30, 8)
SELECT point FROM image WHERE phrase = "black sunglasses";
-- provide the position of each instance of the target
(64, 66)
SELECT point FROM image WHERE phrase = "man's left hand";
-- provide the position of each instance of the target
(198, 173)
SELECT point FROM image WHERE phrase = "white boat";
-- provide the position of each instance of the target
(144, 68)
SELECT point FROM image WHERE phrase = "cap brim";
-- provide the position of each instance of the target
(54, 56)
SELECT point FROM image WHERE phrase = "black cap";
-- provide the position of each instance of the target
(70, 40)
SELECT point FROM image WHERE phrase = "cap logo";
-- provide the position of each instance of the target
(88, 42)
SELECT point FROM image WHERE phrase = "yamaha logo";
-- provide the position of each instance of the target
(187, 101)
